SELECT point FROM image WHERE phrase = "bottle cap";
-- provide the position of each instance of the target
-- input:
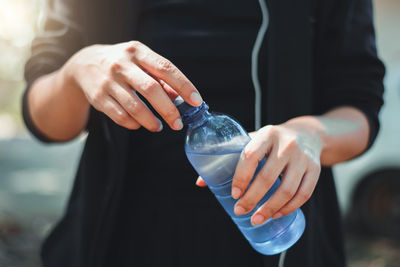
(179, 100)
(187, 111)
(183, 107)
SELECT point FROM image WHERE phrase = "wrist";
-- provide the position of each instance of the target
(66, 81)
(313, 127)
(66, 76)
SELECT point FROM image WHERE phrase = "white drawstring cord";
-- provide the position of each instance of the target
(282, 259)
(256, 81)
(254, 63)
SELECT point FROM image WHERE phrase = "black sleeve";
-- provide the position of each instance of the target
(60, 39)
(350, 72)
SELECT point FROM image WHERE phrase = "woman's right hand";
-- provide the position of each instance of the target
(110, 76)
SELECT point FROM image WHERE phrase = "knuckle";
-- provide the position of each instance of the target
(292, 145)
(130, 107)
(241, 182)
(287, 192)
(97, 98)
(121, 118)
(249, 154)
(265, 176)
(115, 67)
(171, 114)
(304, 196)
(97, 105)
(287, 210)
(106, 84)
(133, 46)
(164, 65)
(135, 108)
(269, 130)
(247, 203)
(267, 211)
(149, 87)
(184, 84)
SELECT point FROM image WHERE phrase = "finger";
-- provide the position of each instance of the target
(116, 112)
(155, 94)
(162, 68)
(200, 182)
(134, 106)
(252, 134)
(286, 191)
(249, 159)
(262, 182)
(304, 193)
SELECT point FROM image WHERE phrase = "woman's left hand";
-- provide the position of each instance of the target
(293, 150)
(296, 149)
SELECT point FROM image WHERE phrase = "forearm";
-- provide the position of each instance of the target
(342, 133)
(58, 108)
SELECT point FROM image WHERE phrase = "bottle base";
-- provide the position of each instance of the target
(284, 240)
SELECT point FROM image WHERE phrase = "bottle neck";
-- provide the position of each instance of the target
(193, 116)
(198, 119)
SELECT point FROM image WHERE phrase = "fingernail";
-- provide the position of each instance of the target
(161, 126)
(236, 192)
(239, 210)
(258, 219)
(196, 99)
(277, 215)
(178, 125)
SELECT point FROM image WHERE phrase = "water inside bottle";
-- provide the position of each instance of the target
(273, 236)
(215, 169)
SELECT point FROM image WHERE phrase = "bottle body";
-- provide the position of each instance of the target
(213, 146)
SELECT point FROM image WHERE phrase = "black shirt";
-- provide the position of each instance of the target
(134, 201)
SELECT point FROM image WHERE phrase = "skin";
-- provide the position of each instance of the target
(109, 77)
(297, 149)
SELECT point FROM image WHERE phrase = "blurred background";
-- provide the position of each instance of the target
(35, 179)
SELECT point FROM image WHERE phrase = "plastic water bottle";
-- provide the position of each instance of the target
(213, 145)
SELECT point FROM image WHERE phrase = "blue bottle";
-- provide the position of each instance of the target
(213, 145)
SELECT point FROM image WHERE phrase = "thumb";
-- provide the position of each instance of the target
(200, 182)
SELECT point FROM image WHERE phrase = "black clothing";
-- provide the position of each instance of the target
(315, 56)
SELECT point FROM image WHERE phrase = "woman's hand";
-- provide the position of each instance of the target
(292, 150)
(110, 76)
(296, 149)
